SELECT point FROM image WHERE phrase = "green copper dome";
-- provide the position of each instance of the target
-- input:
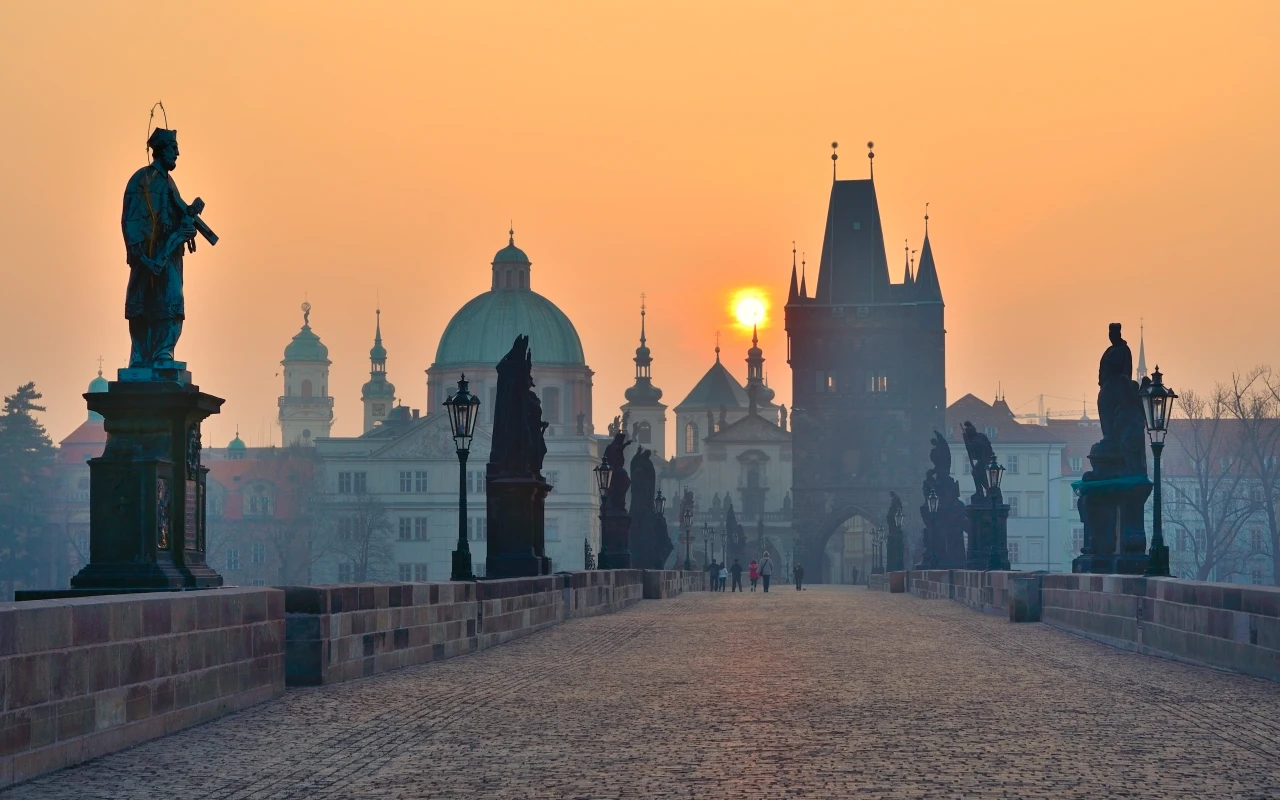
(236, 443)
(306, 346)
(98, 384)
(510, 254)
(482, 331)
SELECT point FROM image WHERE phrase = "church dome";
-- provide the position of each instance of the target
(481, 332)
(306, 345)
(98, 384)
(236, 443)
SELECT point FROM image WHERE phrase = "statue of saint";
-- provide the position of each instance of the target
(978, 446)
(615, 456)
(1122, 450)
(157, 227)
(518, 445)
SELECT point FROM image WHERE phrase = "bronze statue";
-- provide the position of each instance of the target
(518, 430)
(650, 543)
(157, 227)
(978, 446)
(1123, 449)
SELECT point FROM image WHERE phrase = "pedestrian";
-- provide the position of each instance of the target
(724, 576)
(736, 572)
(711, 575)
(753, 572)
(799, 573)
(766, 570)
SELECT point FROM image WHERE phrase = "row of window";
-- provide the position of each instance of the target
(413, 481)
(1034, 504)
(257, 555)
(410, 482)
(413, 572)
(413, 528)
(826, 383)
(1013, 464)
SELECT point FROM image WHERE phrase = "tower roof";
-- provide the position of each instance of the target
(510, 254)
(853, 268)
(306, 345)
(378, 352)
(717, 388)
(643, 392)
(927, 286)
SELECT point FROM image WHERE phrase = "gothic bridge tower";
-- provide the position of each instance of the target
(868, 371)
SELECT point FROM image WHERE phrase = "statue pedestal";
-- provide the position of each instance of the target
(146, 493)
(515, 513)
(615, 541)
(987, 534)
(1115, 534)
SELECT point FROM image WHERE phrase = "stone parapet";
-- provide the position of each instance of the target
(340, 632)
(878, 581)
(982, 590)
(1231, 626)
(91, 675)
(661, 584)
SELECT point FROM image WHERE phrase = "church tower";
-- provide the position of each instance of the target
(306, 409)
(378, 394)
(868, 366)
(648, 416)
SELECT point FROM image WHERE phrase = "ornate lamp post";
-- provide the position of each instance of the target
(877, 541)
(706, 543)
(686, 524)
(464, 409)
(659, 503)
(1157, 401)
(604, 476)
(995, 474)
(896, 559)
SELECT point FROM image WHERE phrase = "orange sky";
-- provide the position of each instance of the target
(670, 148)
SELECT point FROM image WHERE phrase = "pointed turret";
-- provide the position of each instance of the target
(907, 279)
(927, 286)
(1142, 352)
(804, 290)
(793, 293)
(644, 407)
(643, 392)
(378, 393)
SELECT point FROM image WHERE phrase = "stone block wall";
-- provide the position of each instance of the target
(339, 632)
(86, 676)
(1225, 625)
(982, 590)
(694, 581)
(666, 583)
(878, 581)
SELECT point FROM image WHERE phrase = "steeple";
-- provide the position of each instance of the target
(927, 286)
(1142, 351)
(804, 290)
(755, 371)
(853, 269)
(643, 392)
(378, 393)
(907, 279)
(511, 267)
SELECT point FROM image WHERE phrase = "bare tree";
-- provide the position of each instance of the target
(1209, 489)
(364, 538)
(308, 538)
(1254, 401)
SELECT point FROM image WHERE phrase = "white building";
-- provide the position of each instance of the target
(306, 409)
(407, 461)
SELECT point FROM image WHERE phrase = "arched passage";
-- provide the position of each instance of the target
(837, 545)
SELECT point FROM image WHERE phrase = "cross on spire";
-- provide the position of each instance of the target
(99, 366)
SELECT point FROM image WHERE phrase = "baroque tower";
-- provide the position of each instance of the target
(648, 416)
(868, 367)
(306, 409)
(378, 393)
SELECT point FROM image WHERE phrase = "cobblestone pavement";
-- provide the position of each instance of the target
(833, 692)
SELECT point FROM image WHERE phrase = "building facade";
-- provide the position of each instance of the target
(306, 408)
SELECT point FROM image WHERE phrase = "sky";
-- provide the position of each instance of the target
(1084, 163)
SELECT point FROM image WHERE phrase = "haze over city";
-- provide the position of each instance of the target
(356, 157)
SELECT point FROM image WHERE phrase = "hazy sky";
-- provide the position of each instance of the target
(1085, 162)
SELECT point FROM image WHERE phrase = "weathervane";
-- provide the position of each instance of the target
(834, 157)
(871, 159)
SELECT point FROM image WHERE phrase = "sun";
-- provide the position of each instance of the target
(750, 307)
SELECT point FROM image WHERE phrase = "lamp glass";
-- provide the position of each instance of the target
(995, 473)
(933, 504)
(463, 408)
(604, 476)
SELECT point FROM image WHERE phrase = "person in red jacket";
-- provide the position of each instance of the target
(753, 572)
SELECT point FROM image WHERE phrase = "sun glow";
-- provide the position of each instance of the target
(750, 307)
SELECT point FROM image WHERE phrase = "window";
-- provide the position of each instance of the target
(420, 573)
(1035, 504)
(233, 559)
(1015, 551)
(344, 573)
(406, 527)
(1184, 542)
(990, 431)
(644, 433)
(1077, 539)
(420, 528)
(258, 499)
(1012, 464)
(258, 582)
(406, 572)
(1012, 500)
(1255, 540)
(1033, 465)
(258, 553)
(344, 483)
(1076, 464)
(690, 437)
(551, 404)
(358, 482)
(1075, 501)
(475, 528)
(552, 529)
(475, 482)
(877, 382)
(1200, 539)
(346, 528)
(1257, 576)
(420, 481)
(307, 391)
(553, 477)
(406, 481)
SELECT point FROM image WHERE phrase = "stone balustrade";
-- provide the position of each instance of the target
(91, 675)
(1226, 625)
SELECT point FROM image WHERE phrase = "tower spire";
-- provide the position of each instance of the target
(1142, 349)
(871, 159)
(834, 158)
(804, 290)
(642, 298)
(717, 347)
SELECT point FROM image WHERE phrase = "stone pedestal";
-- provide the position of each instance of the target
(1115, 534)
(987, 534)
(894, 555)
(147, 490)
(615, 541)
(516, 520)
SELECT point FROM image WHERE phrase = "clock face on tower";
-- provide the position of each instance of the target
(379, 409)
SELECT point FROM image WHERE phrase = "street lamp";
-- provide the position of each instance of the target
(1157, 401)
(877, 544)
(659, 503)
(686, 523)
(706, 542)
(604, 476)
(464, 409)
(995, 474)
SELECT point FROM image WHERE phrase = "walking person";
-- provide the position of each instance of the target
(724, 576)
(736, 572)
(799, 573)
(753, 572)
(712, 576)
(766, 570)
